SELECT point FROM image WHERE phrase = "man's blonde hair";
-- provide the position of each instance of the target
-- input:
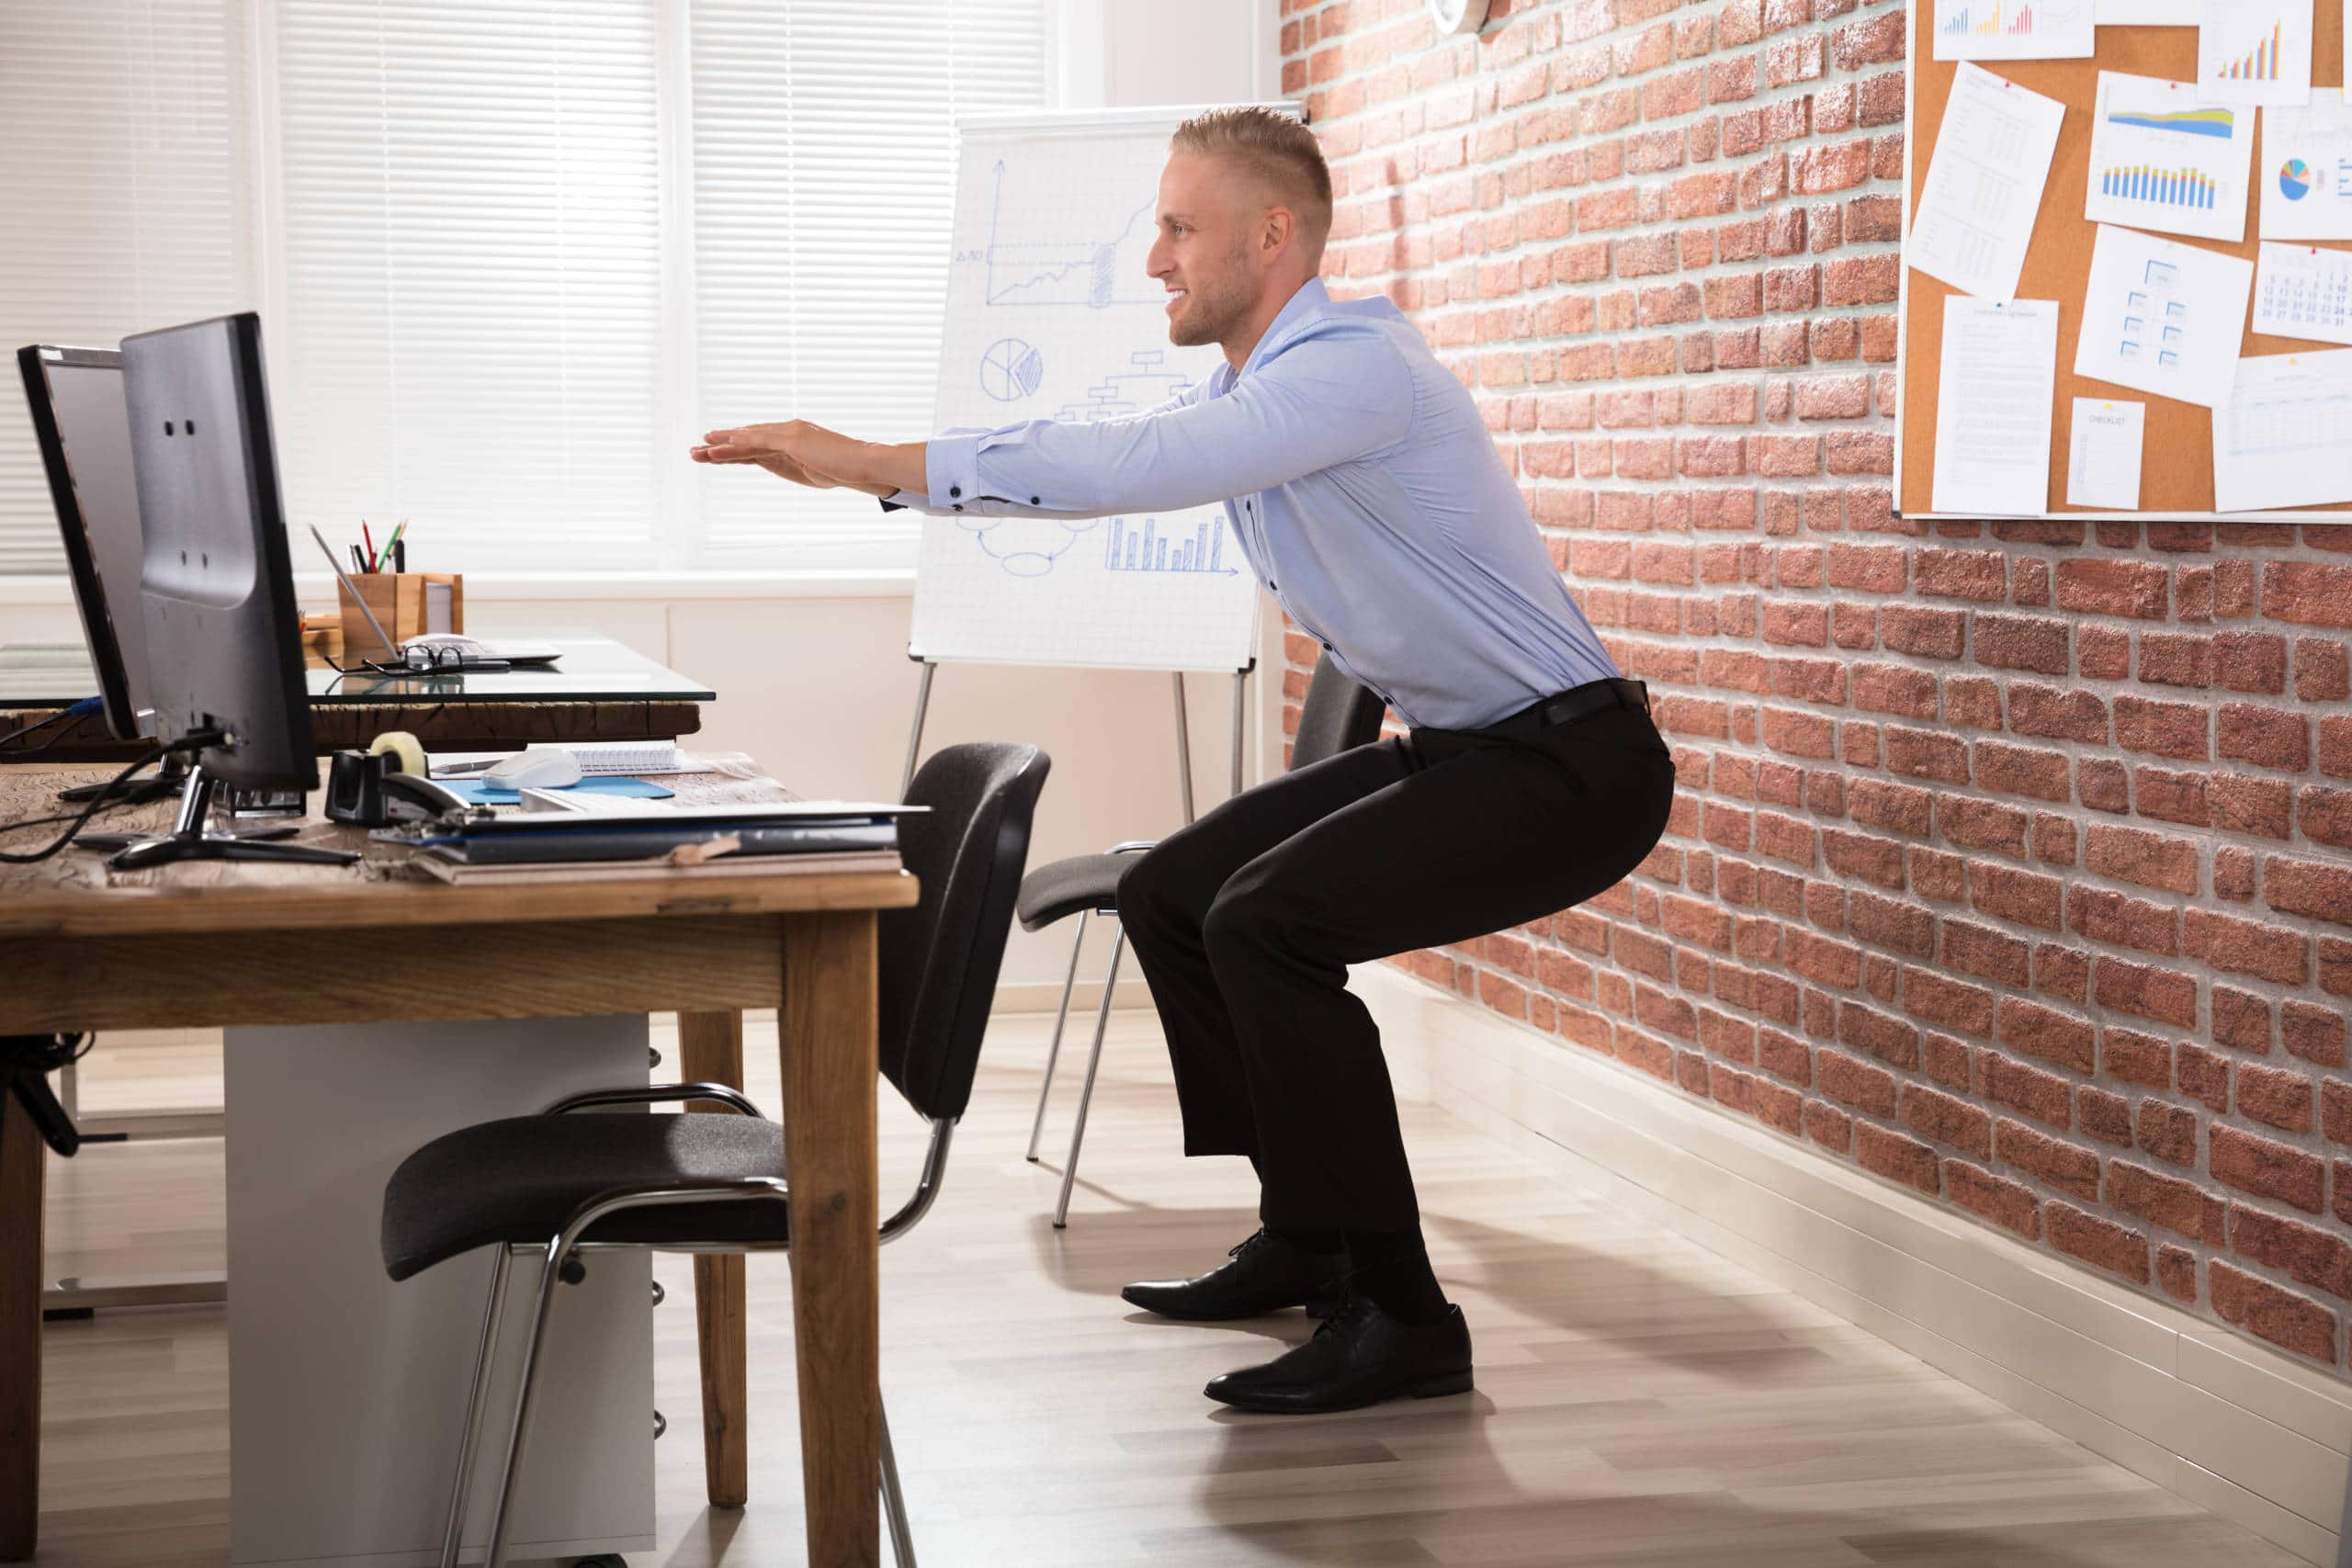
(1279, 151)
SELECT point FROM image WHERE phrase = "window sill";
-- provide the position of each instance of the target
(549, 587)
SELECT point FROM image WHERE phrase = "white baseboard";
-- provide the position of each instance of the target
(2241, 1431)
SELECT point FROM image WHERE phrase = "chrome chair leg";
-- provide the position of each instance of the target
(470, 1434)
(894, 1502)
(1086, 1095)
(1054, 1052)
(551, 1280)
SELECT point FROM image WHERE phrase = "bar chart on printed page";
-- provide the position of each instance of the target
(1053, 316)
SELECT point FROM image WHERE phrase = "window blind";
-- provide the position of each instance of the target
(824, 183)
(469, 235)
(123, 184)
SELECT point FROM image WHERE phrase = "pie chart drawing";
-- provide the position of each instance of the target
(1011, 370)
(2295, 179)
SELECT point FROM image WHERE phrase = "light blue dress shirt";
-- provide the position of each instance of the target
(1363, 488)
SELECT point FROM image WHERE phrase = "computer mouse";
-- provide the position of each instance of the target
(541, 767)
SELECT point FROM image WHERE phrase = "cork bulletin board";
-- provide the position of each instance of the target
(2177, 475)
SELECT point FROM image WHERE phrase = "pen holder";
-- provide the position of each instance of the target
(408, 603)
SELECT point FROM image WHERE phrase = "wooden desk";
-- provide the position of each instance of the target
(83, 948)
(599, 691)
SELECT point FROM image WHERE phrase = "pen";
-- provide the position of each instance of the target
(399, 555)
(371, 543)
(391, 544)
(356, 564)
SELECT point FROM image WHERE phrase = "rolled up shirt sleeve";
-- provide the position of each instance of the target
(1333, 396)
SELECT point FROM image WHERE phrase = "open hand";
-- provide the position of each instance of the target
(792, 449)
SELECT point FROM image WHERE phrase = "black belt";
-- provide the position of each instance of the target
(1578, 703)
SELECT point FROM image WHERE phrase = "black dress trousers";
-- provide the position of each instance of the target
(1244, 923)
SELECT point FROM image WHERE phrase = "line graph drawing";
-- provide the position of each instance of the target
(1011, 370)
(1090, 272)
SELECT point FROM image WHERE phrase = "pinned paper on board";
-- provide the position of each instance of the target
(1999, 367)
(2162, 160)
(2255, 51)
(2015, 29)
(2103, 454)
(1984, 190)
(2280, 441)
(2307, 169)
(2303, 291)
(2162, 316)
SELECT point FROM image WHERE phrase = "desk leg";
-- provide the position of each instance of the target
(830, 1060)
(22, 1157)
(711, 1046)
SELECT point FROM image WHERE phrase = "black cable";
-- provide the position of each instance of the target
(107, 803)
(36, 856)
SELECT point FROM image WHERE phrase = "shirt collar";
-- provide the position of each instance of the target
(1311, 297)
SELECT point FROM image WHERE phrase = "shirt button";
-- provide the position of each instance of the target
(954, 490)
(1326, 647)
(1033, 501)
(1272, 587)
(959, 506)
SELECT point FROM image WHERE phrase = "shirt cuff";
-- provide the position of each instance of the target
(952, 469)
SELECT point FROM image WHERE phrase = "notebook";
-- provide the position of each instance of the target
(612, 758)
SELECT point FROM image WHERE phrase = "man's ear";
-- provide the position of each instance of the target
(1281, 227)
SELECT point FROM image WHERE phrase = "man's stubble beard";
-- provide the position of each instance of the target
(1215, 312)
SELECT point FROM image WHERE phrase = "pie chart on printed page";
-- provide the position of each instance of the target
(2295, 179)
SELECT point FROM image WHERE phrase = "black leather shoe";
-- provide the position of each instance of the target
(1266, 1274)
(1359, 1356)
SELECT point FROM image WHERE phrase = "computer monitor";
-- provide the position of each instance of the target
(223, 639)
(75, 398)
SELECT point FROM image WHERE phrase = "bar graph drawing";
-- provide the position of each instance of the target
(2166, 187)
(2255, 51)
(2012, 29)
(1128, 549)
(2262, 65)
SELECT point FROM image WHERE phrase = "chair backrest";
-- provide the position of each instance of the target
(937, 961)
(1338, 715)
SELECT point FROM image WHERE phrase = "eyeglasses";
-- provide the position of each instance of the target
(415, 660)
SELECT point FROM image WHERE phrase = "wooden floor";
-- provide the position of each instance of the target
(1639, 1401)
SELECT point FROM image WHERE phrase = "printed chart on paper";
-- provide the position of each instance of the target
(1052, 316)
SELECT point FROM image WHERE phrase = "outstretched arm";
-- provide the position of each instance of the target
(1324, 400)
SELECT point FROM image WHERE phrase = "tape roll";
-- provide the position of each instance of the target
(402, 745)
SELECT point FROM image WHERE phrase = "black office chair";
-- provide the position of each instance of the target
(1338, 715)
(703, 1182)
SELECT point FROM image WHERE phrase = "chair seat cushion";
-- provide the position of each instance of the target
(1068, 886)
(521, 1179)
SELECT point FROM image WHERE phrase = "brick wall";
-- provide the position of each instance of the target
(2011, 863)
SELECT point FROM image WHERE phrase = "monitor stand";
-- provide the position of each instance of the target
(170, 781)
(189, 840)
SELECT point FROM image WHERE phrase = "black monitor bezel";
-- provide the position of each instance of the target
(74, 528)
